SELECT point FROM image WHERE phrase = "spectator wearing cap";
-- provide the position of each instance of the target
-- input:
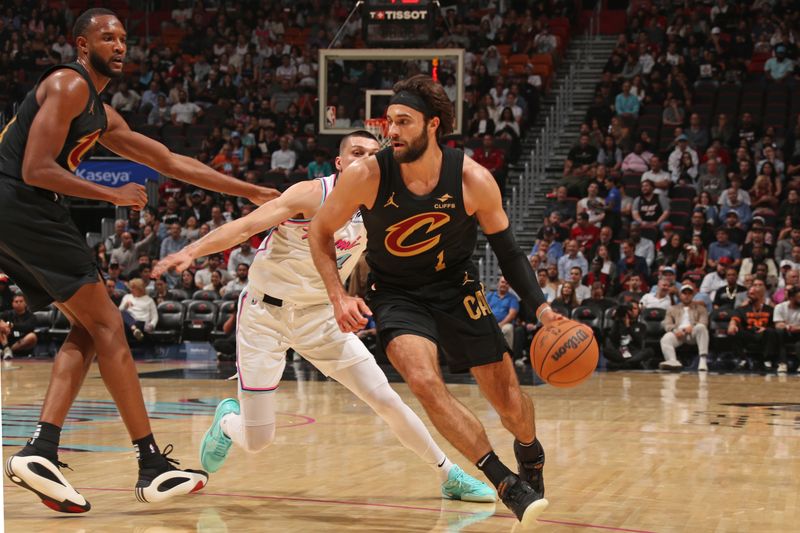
(674, 162)
(752, 327)
(660, 178)
(668, 273)
(725, 296)
(685, 322)
(571, 258)
(790, 277)
(783, 250)
(758, 234)
(778, 68)
(197, 208)
(716, 279)
(723, 247)
(786, 318)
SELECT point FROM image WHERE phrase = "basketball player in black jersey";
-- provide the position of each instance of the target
(420, 203)
(42, 250)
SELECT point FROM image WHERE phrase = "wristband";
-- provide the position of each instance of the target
(541, 310)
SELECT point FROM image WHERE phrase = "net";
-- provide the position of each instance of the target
(378, 127)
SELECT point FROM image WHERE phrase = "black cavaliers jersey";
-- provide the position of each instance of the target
(416, 240)
(83, 133)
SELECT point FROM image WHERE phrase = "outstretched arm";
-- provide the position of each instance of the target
(122, 140)
(303, 198)
(482, 198)
(357, 186)
(63, 96)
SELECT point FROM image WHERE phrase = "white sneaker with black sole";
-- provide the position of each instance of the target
(7, 354)
(162, 483)
(43, 477)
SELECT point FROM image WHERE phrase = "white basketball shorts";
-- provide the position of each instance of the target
(264, 332)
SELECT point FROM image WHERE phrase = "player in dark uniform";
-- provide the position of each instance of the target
(420, 203)
(42, 250)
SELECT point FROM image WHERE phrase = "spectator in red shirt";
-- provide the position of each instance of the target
(585, 233)
(493, 159)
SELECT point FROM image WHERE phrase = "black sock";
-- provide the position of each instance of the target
(529, 453)
(495, 470)
(44, 441)
(147, 451)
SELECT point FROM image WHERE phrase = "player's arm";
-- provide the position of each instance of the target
(483, 199)
(122, 140)
(63, 97)
(357, 186)
(302, 197)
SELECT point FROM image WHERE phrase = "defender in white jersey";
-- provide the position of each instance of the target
(285, 305)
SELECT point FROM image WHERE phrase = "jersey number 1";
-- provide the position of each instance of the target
(440, 262)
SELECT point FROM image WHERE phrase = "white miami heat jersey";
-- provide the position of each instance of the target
(283, 267)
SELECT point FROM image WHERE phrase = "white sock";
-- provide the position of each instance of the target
(360, 379)
(231, 425)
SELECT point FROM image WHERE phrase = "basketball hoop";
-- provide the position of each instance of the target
(378, 127)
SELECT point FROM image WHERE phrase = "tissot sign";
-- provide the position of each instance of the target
(398, 23)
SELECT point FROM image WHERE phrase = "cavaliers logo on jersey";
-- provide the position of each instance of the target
(83, 146)
(398, 235)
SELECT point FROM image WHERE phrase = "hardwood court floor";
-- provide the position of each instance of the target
(636, 452)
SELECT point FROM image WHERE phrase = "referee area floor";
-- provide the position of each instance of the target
(626, 451)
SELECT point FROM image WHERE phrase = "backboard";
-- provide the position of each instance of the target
(356, 84)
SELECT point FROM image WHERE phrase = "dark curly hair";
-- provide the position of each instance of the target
(433, 94)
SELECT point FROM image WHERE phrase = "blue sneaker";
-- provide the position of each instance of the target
(462, 486)
(215, 445)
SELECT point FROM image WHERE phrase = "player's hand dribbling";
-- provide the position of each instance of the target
(349, 312)
(180, 260)
(264, 195)
(131, 195)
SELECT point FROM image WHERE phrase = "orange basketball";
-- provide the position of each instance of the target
(564, 353)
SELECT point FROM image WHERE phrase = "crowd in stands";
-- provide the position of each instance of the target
(680, 201)
(235, 86)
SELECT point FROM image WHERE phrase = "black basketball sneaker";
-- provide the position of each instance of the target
(522, 499)
(43, 477)
(531, 471)
(163, 481)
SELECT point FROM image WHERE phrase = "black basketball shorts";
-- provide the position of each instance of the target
(41, 249)
(452, 314)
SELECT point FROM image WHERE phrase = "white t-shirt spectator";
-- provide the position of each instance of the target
(66, 51)
(784, 313)
(185, 113)
(141, 308)
(285, 159)
(652, 300)
(125, 101)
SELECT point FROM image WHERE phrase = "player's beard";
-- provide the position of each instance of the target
(102, 67)
(414, 149)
